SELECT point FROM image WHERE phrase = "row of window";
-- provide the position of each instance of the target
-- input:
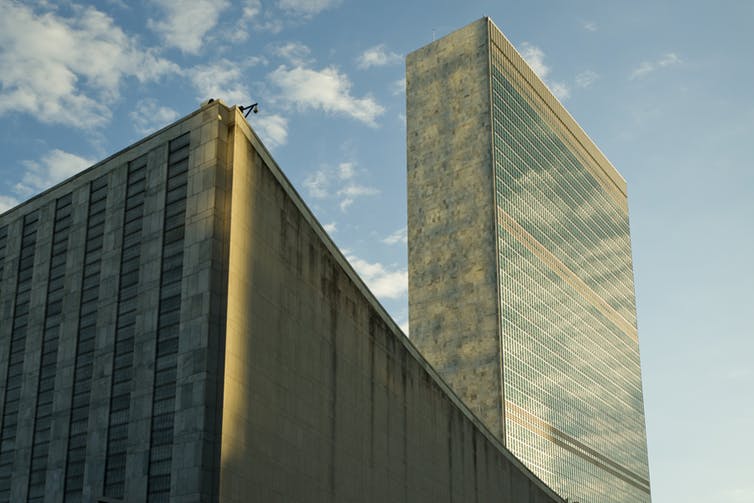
(163, 398)
(120, 395)
(50, 338)
(14, 378)
(84, 362)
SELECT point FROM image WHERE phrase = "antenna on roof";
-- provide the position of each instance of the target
(254, 107)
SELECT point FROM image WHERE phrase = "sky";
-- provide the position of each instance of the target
(664, 88)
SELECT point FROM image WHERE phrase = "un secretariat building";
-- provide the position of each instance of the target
(521, 289)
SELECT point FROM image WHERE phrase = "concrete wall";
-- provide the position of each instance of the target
(453, 308)
(325, 400)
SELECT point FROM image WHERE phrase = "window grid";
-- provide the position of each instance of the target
(14, 379)
(565, 362)
(87, 329)
(50, 339)
(163, 401)
(120, 394)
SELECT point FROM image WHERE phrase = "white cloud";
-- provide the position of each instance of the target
(398, 87)
(337, 183)
(383, 281)
(272, 129)
(220, 79)
(351, 192)
(647, 67)
(186, 22)
(53, 167)
(7, 202)
(253, 16)
(306, 8)
(643, 69)
(668, 59)
(590, 26)
(399, 236)
(586, 78)
(317, 184)
(251, 9)
(560, 90)
(330, 228)
(68, 70)
(149, 116)
(378, 56)
(296, 53)
(535, 57)
(327, 90)
(346, 170)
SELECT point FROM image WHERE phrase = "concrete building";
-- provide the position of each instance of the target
(521, 289)
(176, 326)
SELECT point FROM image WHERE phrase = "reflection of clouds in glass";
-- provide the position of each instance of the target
(576, 228)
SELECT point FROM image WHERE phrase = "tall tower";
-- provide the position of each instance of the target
(521, 288)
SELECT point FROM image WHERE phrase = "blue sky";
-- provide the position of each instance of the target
(665, 88)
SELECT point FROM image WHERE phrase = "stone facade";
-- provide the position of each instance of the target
(453, 290)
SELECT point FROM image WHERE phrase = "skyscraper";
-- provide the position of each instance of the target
(521, 287)
(175, 325)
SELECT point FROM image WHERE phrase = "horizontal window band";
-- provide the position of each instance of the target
(526, 239)
(546, 430)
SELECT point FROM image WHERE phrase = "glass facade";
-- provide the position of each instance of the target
(572, 394)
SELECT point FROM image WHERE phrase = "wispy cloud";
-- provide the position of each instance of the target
(295, 53)
(328, 90)
(378, 56)
(55, 166)
(149, 116)
(7, 202)
(186, 22)
(221, 79)
(253, 16)
(388, 282)
(346, 170)
(586, 78)
(590, 26)
(647, 67)
(337, 183)
(272, 129)
(306, 8)
(560, 90)
(399, 236)
(250, 9)
(353, 191)
(398, 87)
(330, 228)
(68, 70)
(535, 57)
(318, 184)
